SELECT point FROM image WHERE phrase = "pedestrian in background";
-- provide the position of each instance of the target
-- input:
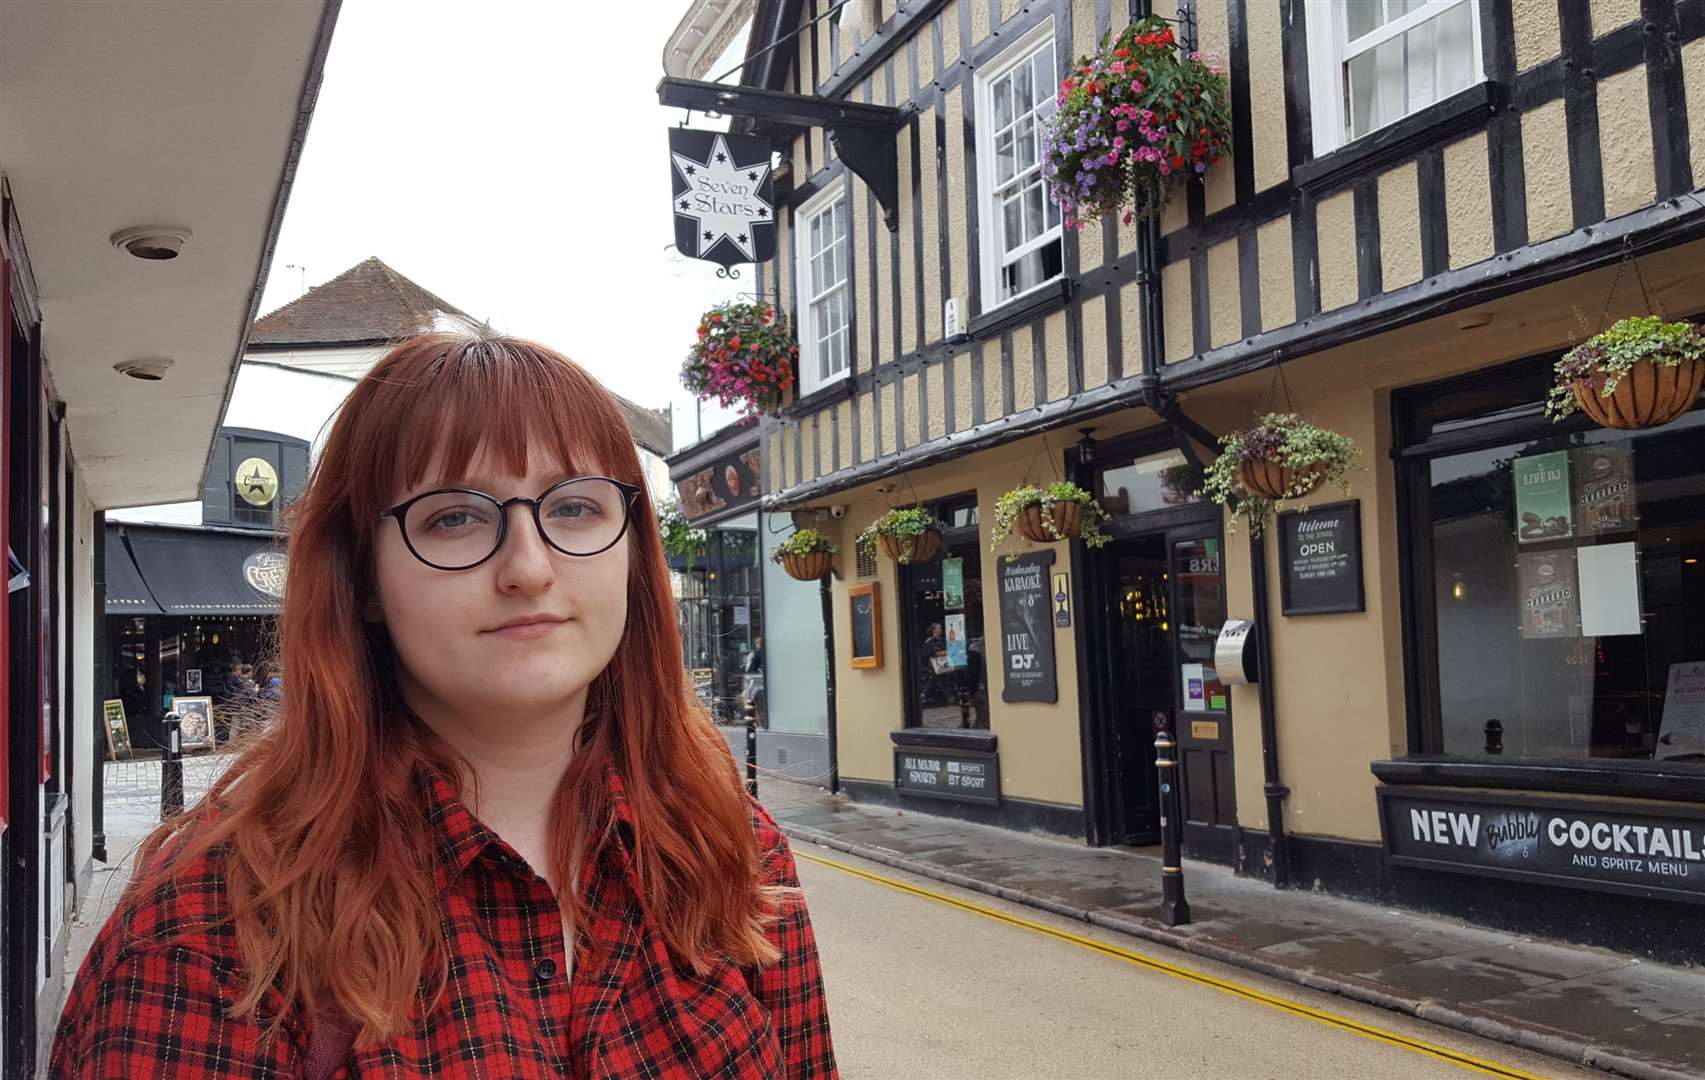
(491, 833)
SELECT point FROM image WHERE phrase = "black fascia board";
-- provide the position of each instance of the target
(776, 108)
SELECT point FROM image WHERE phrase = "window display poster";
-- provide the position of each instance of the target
(1604, 490)
(1682, 730)
(955, 625)
(1610, 589)
(1027, 628)
(1195, 688)
(1550, 605)
(952, 584)
(1544, 500)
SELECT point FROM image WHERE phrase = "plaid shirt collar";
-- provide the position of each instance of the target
(459, 838)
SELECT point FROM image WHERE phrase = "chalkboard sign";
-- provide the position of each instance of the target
(866, 604)
(1320, 559)
(118, 731)
(964, 775)
(1027, 627)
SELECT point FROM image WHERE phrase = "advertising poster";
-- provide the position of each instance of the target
(1544, 499)
(1550, 606)
(195, 722)
(1610, 589)
(1195, 688)
(1604, 490)
(1027, 628)
(952, 584)
(955, 627)
(1681, 734)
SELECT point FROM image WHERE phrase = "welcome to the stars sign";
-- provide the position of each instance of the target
(724, 196)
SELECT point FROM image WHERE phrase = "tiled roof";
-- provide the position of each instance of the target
(651, 428)
(367, 304)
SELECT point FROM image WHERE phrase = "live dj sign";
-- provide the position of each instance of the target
(723, 195)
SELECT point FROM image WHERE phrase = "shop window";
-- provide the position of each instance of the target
(1559, 579)
(1373, 62)
(1159, 482)
(720, 606)
(1015, 98)
(824, 340)
(946, 674)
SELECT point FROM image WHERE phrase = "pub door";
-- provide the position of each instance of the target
(1202, 719)
(1135, 676)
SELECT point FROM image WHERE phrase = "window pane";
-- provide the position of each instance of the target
(1023, 92)
(1004, 158)
(1043, 65)
(1003, 102)
(1199, 590)
(1375, 89)
(1033, 211)
(1566, 576)
(1013, 213)
(1457, 61)
(942, 630)
(1427, 63)
(1026, 134)
(816, 240)
(1152, 483)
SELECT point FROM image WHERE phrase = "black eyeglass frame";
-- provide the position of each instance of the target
(630, 494)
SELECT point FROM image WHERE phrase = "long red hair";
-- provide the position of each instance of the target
(327, 854)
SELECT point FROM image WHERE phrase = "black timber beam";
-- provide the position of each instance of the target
(864, 135)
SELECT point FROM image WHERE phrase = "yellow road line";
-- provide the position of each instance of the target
(1248, 993)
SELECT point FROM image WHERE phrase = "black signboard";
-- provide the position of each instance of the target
(1612, 847)
(865, 604)
(1320, 559)
(1027, 627)
(965, 775)
(723, 195)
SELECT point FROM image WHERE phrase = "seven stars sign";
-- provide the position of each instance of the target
(724, 196)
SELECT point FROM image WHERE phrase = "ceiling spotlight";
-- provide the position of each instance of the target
(147, 370)
(153, 242)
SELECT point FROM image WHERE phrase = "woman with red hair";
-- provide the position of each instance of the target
(491, 833)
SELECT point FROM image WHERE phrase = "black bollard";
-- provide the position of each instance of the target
(1174, 909)
(752, 749)
(171, 770)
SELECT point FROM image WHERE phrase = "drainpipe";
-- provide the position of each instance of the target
(1272, 788)
(1188, 433)
(826, 592)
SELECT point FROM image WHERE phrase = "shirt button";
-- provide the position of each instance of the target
(545, 970)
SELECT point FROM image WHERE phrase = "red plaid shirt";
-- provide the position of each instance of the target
(149, 1003)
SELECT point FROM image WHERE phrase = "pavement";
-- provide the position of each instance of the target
(1586, 1006)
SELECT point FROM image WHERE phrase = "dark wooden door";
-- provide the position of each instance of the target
(1202, 717)
(1136, 679)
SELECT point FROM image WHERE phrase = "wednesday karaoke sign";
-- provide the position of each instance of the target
(723, 196)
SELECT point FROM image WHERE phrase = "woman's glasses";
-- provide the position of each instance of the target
(459, 528)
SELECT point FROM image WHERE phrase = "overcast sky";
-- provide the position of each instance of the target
(509, 156)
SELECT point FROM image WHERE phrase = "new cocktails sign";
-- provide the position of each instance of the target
(724, 196)
(1615, 847)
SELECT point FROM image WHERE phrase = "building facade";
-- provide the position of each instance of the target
(1419, 215)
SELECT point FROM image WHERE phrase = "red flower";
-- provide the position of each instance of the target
(1177, 162)
(1123, 54)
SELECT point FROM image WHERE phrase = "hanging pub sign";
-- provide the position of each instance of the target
(723, 195)
(1027, 627)
(1320, 559)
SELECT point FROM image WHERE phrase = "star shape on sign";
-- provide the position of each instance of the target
(722, 181)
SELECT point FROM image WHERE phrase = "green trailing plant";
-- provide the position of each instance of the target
(902, 525)
(1614, 352)
(1010, 505)
(803, 542)
(680, 539)
(1306, 456)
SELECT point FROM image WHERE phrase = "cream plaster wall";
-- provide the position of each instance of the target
(1225, 296)
(1625, 142)
(1278, 284)
(1267, 94)
(1400, 226)
(1545, 161)
(1094, 340)
(1055, 341)
(1335, 225)
(1468, 193)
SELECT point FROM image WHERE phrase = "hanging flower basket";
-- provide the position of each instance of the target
(744, 357)
(1642, 372)
(1061, 511)
(1131, 119)
(680, 539)
(806, 555)
(1272, 466)
(910, 535)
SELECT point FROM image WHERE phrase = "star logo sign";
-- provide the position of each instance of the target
(722, 197)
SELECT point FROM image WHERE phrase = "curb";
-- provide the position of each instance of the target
(1468, 1020)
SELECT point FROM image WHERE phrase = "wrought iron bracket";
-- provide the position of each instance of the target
(863, 135)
